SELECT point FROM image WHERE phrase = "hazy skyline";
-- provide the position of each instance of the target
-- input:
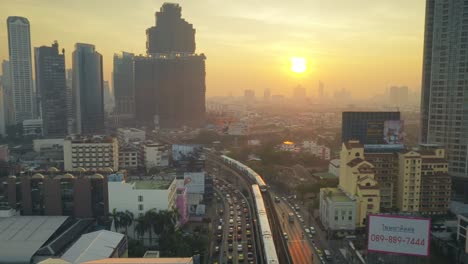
(248, 44)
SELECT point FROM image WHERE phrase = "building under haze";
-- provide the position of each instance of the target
(171, 33)
(398, 95)
(170, 82)
(123, 82)
(88, 90)
(51, 87)
(19, 49)
(367, 127)
(444, 98)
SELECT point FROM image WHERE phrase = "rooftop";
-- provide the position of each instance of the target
(142, 261)
(324, 175)
(336, 195)
(22, 236)
(93, 246)
(152, 185)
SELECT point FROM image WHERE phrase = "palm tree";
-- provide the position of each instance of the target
(140, 226)
(150, 217)
(115, 215)
(129, 217)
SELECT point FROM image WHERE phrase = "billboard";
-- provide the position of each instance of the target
(194, 182)
(393, 132)
(186, 152)
(398, 235)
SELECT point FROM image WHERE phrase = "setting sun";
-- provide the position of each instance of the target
(298, 65)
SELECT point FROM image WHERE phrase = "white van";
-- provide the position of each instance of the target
(327, 254)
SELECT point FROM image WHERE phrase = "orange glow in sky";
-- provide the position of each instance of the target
(364, 46)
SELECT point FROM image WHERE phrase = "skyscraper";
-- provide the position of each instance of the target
(88, 91)
(171, 33)
(170, 90)
(8, 105)
(267, 94)
(19, 49)
(124, 87)
(170, 82)
(444, 98)
(51, 87)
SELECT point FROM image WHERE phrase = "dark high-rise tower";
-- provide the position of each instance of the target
(171, 33)
(88, 90)
(51, 87)
(170, 82)
(444, 98)
(124, 88)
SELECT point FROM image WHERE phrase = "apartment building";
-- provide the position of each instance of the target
(91, 153)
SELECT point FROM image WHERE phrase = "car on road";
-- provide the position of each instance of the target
(285, 235)
(277, 199)
(328, 255)
(241, 257)
(312, 230)
(217, 249)
(239, 248)
(320, 252)
(230, 247)
(248, 233)
(250, 256)
(229, 259)
(219, 238)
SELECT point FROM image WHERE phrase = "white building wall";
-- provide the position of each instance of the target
(334, 167)
(123, 196)
(335, 215)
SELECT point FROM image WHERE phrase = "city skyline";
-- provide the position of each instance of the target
(315, 31)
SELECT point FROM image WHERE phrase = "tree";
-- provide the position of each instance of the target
(150, 218)
(126, 220)
(115, 215)
(140, 226)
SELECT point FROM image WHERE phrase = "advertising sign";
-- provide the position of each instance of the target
(186, 152)
(194, 182)
(399, 235)
(394, 132)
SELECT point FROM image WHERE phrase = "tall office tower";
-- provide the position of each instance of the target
(52, 89)
(19, 49)
(249, 95)
(267, 94)
(3, 124)
(124, 87)
(170, 90)
(371, 128)
(8, 105)
(321, 92)
(88, 91)
(108, 98)
(70, 113)
(171, 33)
(170, 83)
(444, 98)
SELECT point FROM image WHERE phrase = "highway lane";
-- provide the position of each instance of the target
(236, 203)
(299, 244)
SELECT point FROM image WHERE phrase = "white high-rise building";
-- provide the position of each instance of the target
(19, 48)
(444, 97)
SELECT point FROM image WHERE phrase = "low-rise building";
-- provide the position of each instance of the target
(57, 193)
(142, 195)
(334, 167)
(337, 210)
(91, 153)
(154, 155)
(129, 156)
(32, 127)
(128, 135)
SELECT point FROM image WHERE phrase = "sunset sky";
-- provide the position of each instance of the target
(361, 45)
